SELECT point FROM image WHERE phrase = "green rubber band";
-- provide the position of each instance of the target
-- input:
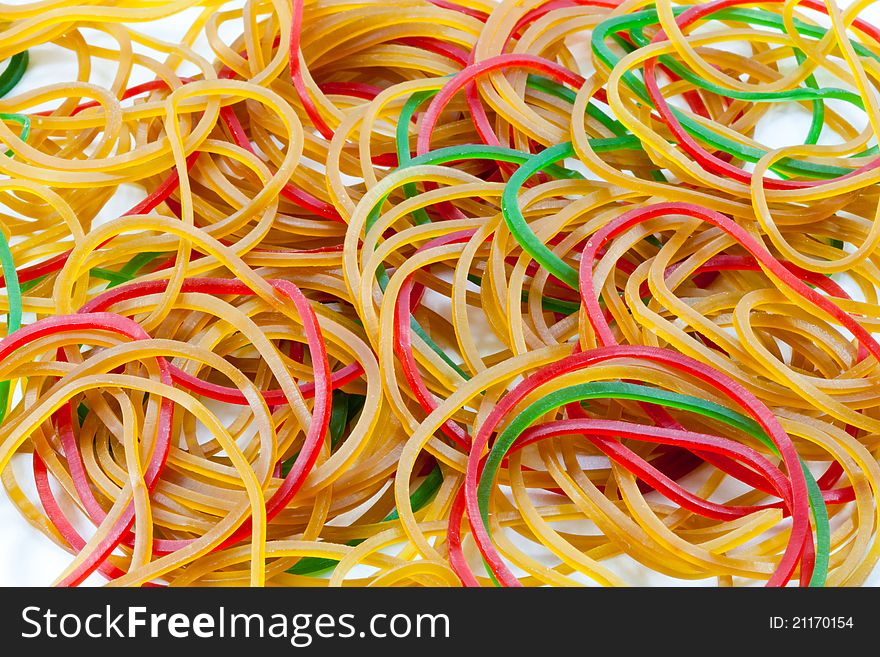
(631, 391)
(420, 216)
(338, 417)
(115, 277)
(798, 95)
(21, 120)
(516, 222)
(137, 263)
(13, 72)
(82, 412)
(13, 317)
(29, 285)
(746, 153)
(818, 121)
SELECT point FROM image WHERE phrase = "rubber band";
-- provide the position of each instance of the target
(520, 294)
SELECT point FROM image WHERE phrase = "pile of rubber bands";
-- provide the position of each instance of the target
(444, 292)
